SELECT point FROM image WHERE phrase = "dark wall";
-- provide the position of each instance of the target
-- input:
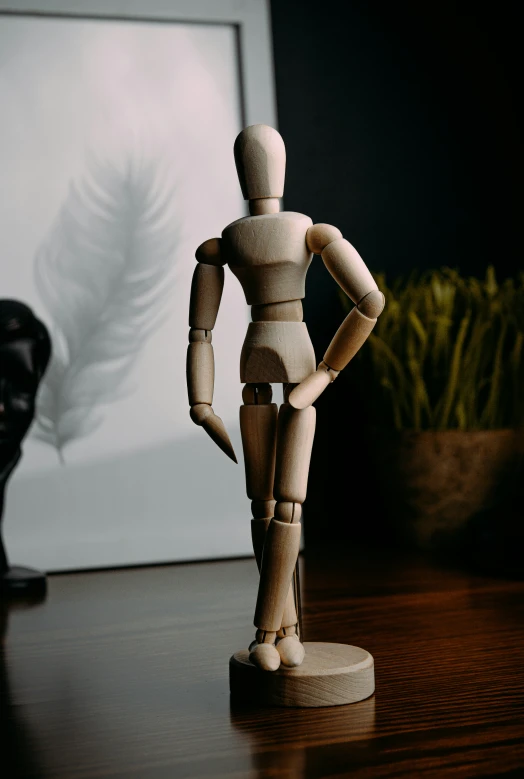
(401, 127)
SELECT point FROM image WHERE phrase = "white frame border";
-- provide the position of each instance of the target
(251, 19)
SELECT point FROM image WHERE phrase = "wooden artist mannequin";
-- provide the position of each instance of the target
(270, 252)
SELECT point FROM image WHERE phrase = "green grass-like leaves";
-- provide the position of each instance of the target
(447, 353)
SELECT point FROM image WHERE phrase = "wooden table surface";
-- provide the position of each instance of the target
(124, 674)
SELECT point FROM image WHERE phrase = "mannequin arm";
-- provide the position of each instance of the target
(350, 272)
(206, 293)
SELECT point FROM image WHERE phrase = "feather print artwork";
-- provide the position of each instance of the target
(104, 273)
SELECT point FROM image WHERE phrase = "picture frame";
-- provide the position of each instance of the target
(132, 498)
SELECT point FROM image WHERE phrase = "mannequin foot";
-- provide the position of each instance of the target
(263, 652)
(265, 657)
(290, 650)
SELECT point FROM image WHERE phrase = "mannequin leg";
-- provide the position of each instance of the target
(258, 426)
(295, 434)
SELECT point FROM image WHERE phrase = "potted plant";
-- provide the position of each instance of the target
(443, 373)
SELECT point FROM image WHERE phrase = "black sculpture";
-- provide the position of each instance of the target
(25, 349)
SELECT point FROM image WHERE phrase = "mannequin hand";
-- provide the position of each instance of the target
(203, 415)
(312, 386)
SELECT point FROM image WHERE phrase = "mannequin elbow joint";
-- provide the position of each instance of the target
(372, 304)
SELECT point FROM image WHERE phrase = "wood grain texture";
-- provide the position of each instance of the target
(258, 426)
(277, 352)
(258, 535)
(269, 256)
(320, 235)
(348, 339)
(257, 394)
(281, 547)
(312, 386)
(260, 157)
(206, 293)
(124, 675)
(288, 311)
(200, 373)
(263, 509)
(330, 675)
(287, 511)
(203, 414)
(348, 269)
(200, 336)
(209, 252)
(295, 433)
(372, 304)
(264, 205)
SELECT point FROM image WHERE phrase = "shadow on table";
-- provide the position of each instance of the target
(18, 752)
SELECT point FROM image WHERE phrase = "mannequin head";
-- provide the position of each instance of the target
(260, 157)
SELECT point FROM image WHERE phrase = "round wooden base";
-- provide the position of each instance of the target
(331, 675)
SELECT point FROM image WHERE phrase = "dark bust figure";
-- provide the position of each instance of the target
(25, 349)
